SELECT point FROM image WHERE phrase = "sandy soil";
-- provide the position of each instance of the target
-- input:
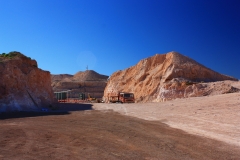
(214, 117)
(194, 128)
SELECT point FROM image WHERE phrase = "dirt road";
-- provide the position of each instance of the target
(77, 132)
(215, 117)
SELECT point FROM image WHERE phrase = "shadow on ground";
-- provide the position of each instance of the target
(68, 107)
(61, 109)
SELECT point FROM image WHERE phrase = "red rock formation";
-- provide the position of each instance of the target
(23, 86)
(150, 76)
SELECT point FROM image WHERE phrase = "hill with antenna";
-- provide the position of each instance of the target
(89, 75)
(86, 82)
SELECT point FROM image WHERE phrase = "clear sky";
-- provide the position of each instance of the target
(66, 36)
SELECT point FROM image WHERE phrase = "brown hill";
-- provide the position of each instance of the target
(23, 86)
(89, 75)
(154, 76)
(59, 77)
(86, 82)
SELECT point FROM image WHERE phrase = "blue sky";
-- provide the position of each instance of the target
(65, 36)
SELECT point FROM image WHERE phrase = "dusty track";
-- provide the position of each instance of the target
(80, 133)
(215, 117)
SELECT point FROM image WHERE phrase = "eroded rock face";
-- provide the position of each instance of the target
(88, 82)
(180, 88)
(23, 86)
(151, 78)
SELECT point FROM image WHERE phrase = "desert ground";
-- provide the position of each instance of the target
(215, 117)
(192, 128)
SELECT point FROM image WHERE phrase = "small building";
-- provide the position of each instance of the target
(63, 95)
(68, 96)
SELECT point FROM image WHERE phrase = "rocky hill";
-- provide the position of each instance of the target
(23, 86)
(86, 82)
(165, 77)
(60, 77)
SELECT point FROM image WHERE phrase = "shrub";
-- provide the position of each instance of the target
(13, 53)
(10, 54)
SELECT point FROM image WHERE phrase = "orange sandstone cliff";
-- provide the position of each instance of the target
(165, 77)
(23, 86)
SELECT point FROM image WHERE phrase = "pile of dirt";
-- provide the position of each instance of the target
(88, 82)
(184, 89)
(23, 86)
(152, 77)
(89, 75)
